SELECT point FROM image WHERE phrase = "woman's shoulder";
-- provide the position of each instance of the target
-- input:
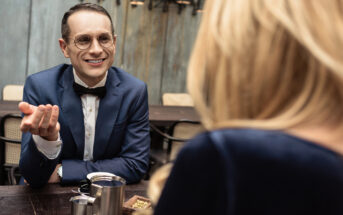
(270, 145)
(231, 136)
(252, 137)
(256, 143)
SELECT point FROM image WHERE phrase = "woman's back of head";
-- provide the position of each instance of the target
(271, 64)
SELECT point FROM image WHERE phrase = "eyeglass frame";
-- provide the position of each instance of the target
(113, 38)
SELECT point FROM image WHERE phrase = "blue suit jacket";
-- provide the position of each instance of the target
(257, 172)
(122, 141)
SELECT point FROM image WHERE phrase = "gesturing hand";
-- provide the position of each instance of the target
(41, 120)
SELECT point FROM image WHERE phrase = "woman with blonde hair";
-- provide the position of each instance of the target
(266, 77)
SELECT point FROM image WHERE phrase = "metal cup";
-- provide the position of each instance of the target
(109, 194)
(82, 205)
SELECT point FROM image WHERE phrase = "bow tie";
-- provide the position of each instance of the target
(98, 91)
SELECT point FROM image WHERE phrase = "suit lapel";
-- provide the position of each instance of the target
(107, 114)
(72, 110)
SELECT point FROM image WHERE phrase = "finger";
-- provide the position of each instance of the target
(25, 124)
(44, 124)
(54, 178)
(26, 182)
(36, 119)
(53, 120)
(26, 108)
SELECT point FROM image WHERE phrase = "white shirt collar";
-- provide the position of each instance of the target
(79, 81)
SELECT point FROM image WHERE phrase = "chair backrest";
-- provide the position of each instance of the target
(12, 92)
(11, 129)
(177, 99)
(184, 130)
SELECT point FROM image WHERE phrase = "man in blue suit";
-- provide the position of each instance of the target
(88, 116)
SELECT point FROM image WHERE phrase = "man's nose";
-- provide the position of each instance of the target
(95, 47)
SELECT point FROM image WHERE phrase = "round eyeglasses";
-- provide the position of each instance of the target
(84, 42)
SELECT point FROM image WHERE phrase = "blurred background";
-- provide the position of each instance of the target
(154, 40)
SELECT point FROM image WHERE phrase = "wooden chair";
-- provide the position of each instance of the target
(10, 141)
(183, 129)
(177, 99)
(12, 92)
(175, 136)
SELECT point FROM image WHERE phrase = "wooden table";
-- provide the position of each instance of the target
(166, 115)
(51, 199)
(158, 115)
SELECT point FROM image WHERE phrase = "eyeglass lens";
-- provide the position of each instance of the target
(85, 41)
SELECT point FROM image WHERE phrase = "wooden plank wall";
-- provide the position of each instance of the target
(151, 44)
(14, 34)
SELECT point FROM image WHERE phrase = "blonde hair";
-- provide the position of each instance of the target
(270, 64)
(156, 184)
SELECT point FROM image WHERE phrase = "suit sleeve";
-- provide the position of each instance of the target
(35, 167)
(132, 161)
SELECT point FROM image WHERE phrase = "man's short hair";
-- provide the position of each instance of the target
(65, 30)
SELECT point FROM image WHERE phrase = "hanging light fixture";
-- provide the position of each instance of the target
(137, 2)
(184, 1)
(197, 4)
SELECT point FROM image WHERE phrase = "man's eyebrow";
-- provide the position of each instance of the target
(82, 35)
(85, 34)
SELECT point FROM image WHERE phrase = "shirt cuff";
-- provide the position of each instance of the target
(51, 149)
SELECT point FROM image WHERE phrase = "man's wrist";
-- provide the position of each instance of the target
(51, 138)
(51, 149)
(60, 172)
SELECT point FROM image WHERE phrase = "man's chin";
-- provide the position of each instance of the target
(96, 71)
(97, 74)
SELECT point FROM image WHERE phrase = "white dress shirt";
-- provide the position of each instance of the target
(90, 107)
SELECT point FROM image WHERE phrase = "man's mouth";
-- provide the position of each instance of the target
(95, 61)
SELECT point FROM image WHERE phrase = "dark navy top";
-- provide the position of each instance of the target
(247, 171)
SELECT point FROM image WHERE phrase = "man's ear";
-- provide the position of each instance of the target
(114, 40)
(64, 48)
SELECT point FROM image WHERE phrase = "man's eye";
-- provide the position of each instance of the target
(104, 38)
(83, 40)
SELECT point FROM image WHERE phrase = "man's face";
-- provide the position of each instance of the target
(94, 29)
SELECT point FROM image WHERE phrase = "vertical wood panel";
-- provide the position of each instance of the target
(152, 45)
(118, 13)
(45, 31)
(181, 34)
(144, 47)
(14, 31)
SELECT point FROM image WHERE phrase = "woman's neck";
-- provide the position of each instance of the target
(327, 137)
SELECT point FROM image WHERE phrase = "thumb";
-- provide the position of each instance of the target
(26, 108)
